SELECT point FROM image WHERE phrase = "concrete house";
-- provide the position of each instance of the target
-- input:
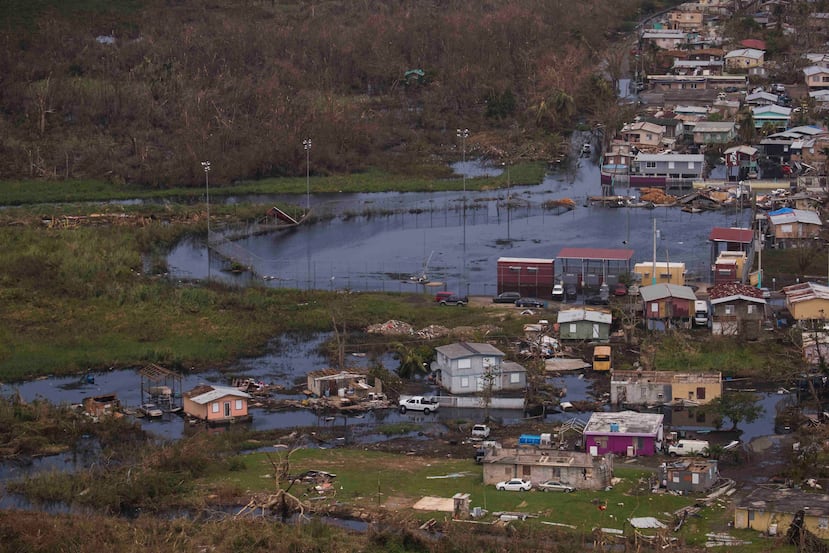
(465, 368)
(216, 404)
(643, 134)
(667, 272)
(333, 383)
(761, 99)
(715, 132)
(767, 508)
(667, 303)
(816, 77)
(674, 166)
(666, 39)
(807, 301)
(627, 433)
(737, 310)
(689, 475)
(661, 387)
(584, 324)
(686, 21)
(744, 58)
(790, 228)
(580, 470)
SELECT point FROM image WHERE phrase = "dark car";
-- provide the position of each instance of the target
(530, 302)
(506, 297)
(732, 89)
(595, 300)
(455, 300)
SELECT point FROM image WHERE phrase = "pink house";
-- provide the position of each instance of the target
(626, 433)
(217, 404)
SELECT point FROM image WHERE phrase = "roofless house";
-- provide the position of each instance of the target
(162, 387)
(591, 267)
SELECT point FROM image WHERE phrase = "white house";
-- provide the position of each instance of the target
(465, 368)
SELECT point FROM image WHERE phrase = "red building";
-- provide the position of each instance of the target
(526, 275)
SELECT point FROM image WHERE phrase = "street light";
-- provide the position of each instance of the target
(463, 134)
(307, 144)
(206, 166)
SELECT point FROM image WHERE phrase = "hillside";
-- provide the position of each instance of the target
(140, 92)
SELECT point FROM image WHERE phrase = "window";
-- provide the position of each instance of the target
(650, 164)
(750, 309)
(465, 382)
(238, 404)
(729, 309)
(823, 523)
(526, 470)
(671, 165)
(465, 363)
(675, 479)
(751, 515)
(654, 307)
(573, 328)
(690, 165)
(695, 478)
(514, 378)
(508, 472)
(601, 441)
(214, 407)
(701, 392)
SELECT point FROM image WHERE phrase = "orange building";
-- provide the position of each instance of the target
(217, 404)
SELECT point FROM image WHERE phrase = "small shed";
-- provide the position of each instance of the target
(625, 433)
(765, 509)
(217, 404)
(528, 276)
(333, 382)
(103, 405)
(584, 324)
(807, 301)
(689, 475)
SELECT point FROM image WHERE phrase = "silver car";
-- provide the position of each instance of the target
(555, 486)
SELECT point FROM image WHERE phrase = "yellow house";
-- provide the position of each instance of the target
(666, 273)
(771, 511)
(698, 388)
(685, 20)
(807, 301)
(744, 58)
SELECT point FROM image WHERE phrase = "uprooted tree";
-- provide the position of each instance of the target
(737, 407)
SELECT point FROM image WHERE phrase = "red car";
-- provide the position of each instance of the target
(440, 296)
(620, 289)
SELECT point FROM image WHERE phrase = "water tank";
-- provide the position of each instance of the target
(530, 439)
(614, 426)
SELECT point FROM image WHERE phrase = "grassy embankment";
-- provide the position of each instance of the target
(29, 192)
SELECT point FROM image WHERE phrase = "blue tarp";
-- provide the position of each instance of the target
(781, 211)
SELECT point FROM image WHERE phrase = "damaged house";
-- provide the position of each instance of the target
(336, 383)
(466, 367)
(580, 470)
(737, 310)
(689, 475)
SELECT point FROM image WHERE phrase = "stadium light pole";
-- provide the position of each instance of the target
(307, 145)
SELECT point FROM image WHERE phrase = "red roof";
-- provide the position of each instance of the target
(612, 254)
(722, 234)
(728, 289)
(755, 43)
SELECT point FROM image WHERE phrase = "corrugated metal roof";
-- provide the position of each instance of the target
(806, 291)
(696, 158)
(206, 394)
(459, 350)
(612, 254)
(732, 234)
(660, 291)
(592, 315)
(796, 216)
(538, 260)
(625, 422)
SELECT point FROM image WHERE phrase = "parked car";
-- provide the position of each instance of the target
(530, 302)
(440, 296)
(555, 486)
(558, 292)
(506, 297)
(455, 300)
(620, 289)
(418, 403)
(480, 431)
(514, 485)
(595, 300)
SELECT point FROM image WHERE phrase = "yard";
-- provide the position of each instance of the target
(369, 480)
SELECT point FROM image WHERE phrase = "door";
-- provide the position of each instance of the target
(595, 330)
(227, 409)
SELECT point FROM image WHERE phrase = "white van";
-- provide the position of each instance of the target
(701, 313)
(689, 447)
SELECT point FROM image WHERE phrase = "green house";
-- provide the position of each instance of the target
(584, 324)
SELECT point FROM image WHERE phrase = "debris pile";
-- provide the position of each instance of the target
(433, 331)
(656, 196)
(391, 328)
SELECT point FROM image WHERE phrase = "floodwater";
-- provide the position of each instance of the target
(378, 241)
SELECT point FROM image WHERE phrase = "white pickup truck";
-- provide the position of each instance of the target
(418, 403)
(480, 431)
